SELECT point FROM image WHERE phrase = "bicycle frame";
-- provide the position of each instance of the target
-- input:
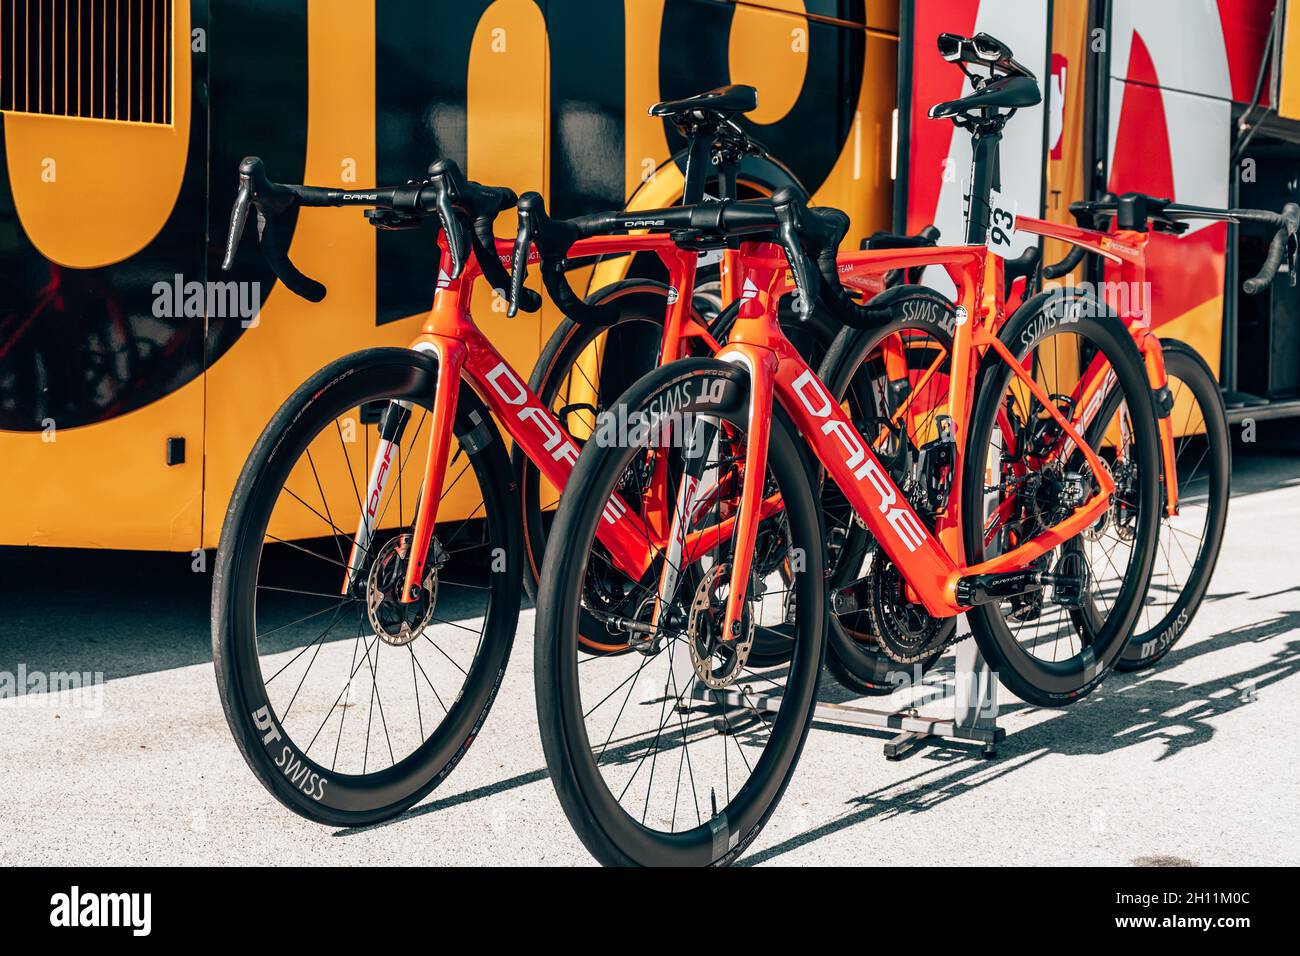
(932, 564)
(463, 352)
(1127, 249)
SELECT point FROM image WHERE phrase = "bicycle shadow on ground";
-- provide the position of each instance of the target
(1127, 710)
(124, 613)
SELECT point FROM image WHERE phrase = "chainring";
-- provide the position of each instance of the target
(906, 632)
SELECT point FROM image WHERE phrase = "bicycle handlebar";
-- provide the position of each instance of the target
(823, 239)
(706, 224)
(1282, 244)
(445, 194)
(803, 233)
(1135, 211)
(1068, 264)
(553, 237)
(272, 200)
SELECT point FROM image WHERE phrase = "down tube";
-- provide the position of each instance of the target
(548, 445)
(854, 467)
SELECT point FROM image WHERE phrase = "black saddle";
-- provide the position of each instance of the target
(1008, 92)
(723, 103)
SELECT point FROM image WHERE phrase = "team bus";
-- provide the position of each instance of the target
(135, 375)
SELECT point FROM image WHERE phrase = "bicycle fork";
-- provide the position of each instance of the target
(761, 365)
(450, 356)
(391, 427)
(1153, 357)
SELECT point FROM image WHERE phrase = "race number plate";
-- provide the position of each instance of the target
(1002, 224)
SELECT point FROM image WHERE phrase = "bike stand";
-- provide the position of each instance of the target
(974, 697)
(973, 694)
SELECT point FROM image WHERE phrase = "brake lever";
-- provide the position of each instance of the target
(1291, 217)
(523, 240)
(446, 210)
(485, 245)
(238, 218)
(271, 200)
(788, 218)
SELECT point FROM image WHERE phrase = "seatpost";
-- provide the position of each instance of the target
(983, 180)
(727, 176)
(698, 160)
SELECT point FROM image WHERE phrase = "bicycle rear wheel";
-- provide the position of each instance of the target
(676, 752)
(894, 382)
(582, 370)
(1053, 646)
(348, 705)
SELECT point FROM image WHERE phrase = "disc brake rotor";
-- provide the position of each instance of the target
(395, 622)
(716, 662)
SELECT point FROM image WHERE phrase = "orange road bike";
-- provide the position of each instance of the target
(677, 751)
(873, 372)
(626, 329)
(359, 643)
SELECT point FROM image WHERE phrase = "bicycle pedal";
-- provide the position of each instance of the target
(1069, 581)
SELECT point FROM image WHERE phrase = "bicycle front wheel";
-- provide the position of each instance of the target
(1189, 541)
(677, 751)
(348, 704)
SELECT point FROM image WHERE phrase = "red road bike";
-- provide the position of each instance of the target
(875, 372)
(740, 542)
(359, 642)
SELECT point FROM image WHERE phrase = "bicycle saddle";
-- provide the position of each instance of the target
(723, 103)
(1009, 92)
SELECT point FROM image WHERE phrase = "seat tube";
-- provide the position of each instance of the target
(961, 395)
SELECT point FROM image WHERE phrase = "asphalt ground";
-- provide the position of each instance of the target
(1191, 762)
